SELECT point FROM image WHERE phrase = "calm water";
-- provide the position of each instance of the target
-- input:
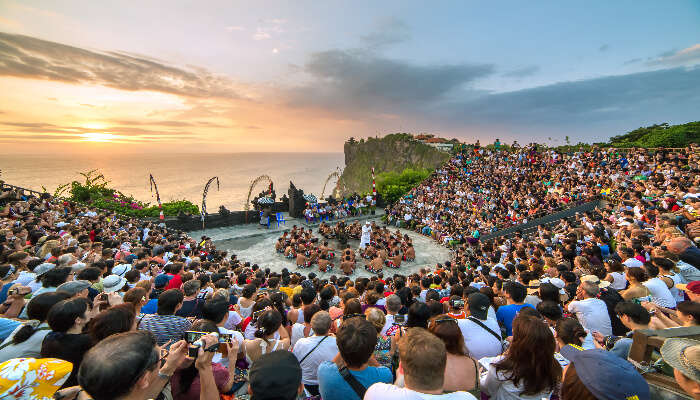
(179, 176)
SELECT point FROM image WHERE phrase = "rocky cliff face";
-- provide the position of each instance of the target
(392, 153)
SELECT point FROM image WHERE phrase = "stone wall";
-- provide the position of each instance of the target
(217, 220)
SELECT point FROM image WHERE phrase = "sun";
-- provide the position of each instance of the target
(98, 137)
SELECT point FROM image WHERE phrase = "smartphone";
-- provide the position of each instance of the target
(457, 303)
(224, 339)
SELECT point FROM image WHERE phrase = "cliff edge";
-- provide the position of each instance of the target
(392, 153)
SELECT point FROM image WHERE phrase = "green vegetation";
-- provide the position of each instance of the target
(96, 193)
(390, 154)
(659, 135)
(393, 185)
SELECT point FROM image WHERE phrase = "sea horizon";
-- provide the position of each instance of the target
(179, 175)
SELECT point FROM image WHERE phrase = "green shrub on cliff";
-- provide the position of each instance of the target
(392, 185)
(659, 135)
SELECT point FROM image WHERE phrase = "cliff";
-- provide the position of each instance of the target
(392, 153)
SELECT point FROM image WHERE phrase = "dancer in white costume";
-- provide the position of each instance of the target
(366, 235)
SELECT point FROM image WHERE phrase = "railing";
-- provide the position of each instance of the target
(546, 220)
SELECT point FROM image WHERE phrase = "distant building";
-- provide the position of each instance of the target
(439, 143)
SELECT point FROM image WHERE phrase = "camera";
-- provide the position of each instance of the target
(399, 319)
(458, 304)
(194, 339)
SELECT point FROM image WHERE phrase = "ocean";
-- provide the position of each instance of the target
(179, 176)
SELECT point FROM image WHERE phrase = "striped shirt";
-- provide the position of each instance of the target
(165, 327)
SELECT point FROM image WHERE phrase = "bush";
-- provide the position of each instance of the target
(96, 193)
(392, 186)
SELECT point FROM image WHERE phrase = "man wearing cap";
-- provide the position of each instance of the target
(480, 341)
(684, 356)
(692, 290)
(591, 312)
(275, 376)
(75, 288)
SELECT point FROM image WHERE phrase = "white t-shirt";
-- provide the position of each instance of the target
(479, 342)
(326, 351)
(633, 263)
(660, 295)
(593, 315)
(297, 333)
(619, 280)
(498, 387)
(384, 391)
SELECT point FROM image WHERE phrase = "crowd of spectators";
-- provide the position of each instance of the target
(107, 308)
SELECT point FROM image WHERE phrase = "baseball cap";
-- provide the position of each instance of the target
(113, 283)
(161, 281)
(284, 367)
(596, 280)
(683, 355)
(693, 287)
(606, 375)
(73, 287)
(478, 305)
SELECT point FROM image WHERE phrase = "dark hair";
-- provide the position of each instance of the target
(356, 340)
(268, 323)
(55, 277)
(530, 360)
(110, 369)
(447, 329)
(550, 309)
(516, 291)
(418, 315)
(248, 290)
(352, 306)
(570, 331)
(116, 319)
(310, 310)
(168, 301)
(637, 273)
(637, 313)
(326, 296)
(690, 308)
(308, 295)
(38, 309)
(215, 310)
(549, 292)
(90, 274)
(63, 314)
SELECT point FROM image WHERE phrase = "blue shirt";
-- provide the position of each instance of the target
(7, 326)
(151, 307)
(506, 314)
(333, 386)
(3, 292)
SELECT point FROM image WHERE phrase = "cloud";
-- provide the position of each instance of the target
(604, 48)
(28, 57)
(386, 32)
(261, 34)
(632, 61)
(522, 72)
(234, 28)
(359, 80)
(578, 106)
(132, 132)
(687, 56)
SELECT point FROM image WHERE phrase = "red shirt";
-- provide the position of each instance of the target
(175, 282)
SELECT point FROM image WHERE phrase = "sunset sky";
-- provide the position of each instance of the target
(231, 76)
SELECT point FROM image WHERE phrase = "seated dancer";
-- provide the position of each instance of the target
(348, 265)
(410, 253)
(348, 252)
(327, 251)
(375, 266)
(325, 265)
(279, 246)
(302, 261)
(395, 261)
